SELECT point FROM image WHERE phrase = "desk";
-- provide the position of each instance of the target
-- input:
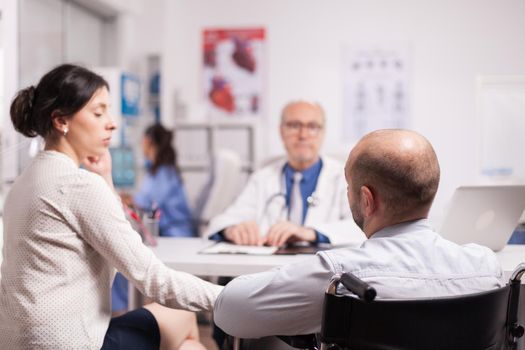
(182, 254)
(510, 257)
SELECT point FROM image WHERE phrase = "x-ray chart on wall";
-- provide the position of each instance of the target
(501, 115)
(375, 89)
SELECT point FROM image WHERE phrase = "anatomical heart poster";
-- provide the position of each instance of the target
(234, 71)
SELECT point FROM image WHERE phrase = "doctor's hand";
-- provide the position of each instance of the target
(246, 233)
(287, 232)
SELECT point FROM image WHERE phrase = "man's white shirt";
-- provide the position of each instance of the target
(408, 260)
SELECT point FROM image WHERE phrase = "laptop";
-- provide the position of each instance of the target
(485, 215)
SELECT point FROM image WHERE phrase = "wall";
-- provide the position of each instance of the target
(140, 34)
(9, 40)
(112, 33)
(451, 43)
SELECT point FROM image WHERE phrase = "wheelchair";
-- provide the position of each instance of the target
(357, 320)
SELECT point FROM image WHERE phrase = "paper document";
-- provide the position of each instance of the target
(228, 248)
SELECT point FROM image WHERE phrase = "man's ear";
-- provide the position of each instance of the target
(60, 123)
(368, 201)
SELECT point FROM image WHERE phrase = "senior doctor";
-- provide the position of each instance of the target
(299, 198)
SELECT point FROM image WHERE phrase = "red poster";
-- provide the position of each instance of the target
(233, 71)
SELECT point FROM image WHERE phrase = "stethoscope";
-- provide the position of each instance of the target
(312, 200)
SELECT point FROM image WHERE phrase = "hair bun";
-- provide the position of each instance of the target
(22, 111)
(30, 91)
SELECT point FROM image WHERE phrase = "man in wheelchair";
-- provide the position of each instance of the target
(392, 178)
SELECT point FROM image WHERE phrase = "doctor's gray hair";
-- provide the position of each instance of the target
(312, 104)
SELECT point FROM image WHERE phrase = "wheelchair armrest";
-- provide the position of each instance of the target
(360, 288)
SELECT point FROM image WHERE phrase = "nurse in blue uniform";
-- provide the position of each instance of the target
(161, 189)
(161, 193)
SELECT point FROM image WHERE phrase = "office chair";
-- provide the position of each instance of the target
(222, 188)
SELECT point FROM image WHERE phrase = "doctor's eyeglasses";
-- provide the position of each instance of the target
(294, 128)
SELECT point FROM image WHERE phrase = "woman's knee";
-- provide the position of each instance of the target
(175, 326)
(192, 345)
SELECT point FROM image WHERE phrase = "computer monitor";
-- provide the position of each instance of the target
(123, 167)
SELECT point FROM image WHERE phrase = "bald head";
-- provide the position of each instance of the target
(400, 166)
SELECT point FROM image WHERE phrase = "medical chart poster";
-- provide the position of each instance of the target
(234, 71)
(501, 117)
(375, 89)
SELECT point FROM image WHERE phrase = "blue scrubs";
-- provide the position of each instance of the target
(165, 191)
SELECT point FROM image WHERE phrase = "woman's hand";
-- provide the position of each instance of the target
(100, 165)
(126, 199)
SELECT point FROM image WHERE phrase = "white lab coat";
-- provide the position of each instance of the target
(263, 201)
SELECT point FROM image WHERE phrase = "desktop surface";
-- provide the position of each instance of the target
(183, 254)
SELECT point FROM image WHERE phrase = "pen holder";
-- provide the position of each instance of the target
(152, 225)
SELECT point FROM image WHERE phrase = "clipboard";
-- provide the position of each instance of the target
(229, 248)
(292, 249)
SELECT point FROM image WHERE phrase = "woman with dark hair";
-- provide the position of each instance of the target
(65, 234)
(161, 189)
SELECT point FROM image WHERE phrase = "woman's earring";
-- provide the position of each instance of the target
(65, 131)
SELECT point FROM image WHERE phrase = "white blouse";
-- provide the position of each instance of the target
(65, 233)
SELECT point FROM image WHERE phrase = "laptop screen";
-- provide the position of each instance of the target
(485, 215)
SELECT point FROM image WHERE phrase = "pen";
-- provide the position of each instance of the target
(149, 239)
(155, 212)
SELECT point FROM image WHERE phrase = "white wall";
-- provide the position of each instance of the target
(452, 41)
(9, 42)
(125, 43)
